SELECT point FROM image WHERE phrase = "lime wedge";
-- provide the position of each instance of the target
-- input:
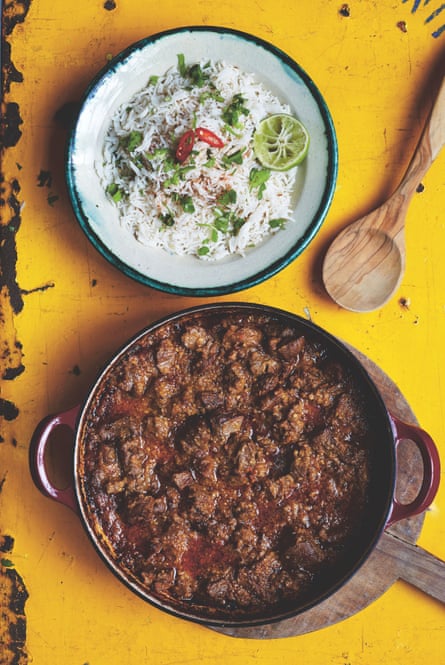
(280, 142)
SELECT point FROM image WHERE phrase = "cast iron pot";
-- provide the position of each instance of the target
(384, 508)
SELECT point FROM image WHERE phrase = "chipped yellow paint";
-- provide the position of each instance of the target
(377, 64)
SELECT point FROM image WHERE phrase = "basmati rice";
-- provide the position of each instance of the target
(211, 205)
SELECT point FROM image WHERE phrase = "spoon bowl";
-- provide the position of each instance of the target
(365, 263)
(369, 282)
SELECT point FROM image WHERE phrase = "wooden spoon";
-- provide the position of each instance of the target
(365, 263)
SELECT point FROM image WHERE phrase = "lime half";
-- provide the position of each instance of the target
(280, 142)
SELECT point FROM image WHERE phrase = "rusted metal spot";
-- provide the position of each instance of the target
(345, 10)
(402, 26)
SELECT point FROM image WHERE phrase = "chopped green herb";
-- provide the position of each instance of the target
(167, 219)
(210, 162)
(258, 178)
(210, 94)
(232, 112)
(133, 140)
(237, 223)
(278, 223)
(222, 223)
(153, 80)
(181, 64)
(169, 163)
(227, 197)
(197, 76)
(187, 204)
(177, 171)
(140, 160)
(227, 221)
(159, 152)
(202, 251)
(234, 158)
(114, 191)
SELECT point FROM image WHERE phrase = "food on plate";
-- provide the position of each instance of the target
(179, 161)
(225, 463)
(280, 142)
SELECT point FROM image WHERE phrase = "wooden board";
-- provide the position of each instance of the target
(382, 568)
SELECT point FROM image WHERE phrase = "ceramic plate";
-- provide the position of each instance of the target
(127, 74)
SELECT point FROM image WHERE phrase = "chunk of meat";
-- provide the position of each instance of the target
(225, 424)
(137, 373)
(195, 337)
(292, 349)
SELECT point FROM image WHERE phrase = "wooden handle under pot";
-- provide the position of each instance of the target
(415, 565)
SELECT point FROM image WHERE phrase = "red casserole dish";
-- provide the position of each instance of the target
(235, 568)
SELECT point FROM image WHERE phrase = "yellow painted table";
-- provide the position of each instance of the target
(64, 310)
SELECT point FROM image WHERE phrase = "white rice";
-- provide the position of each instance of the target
(151, 205)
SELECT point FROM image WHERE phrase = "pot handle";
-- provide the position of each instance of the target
(37, 451)
(431, 470)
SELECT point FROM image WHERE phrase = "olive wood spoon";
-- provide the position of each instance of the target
(365, 263)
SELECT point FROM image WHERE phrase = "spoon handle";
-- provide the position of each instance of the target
(430, 144)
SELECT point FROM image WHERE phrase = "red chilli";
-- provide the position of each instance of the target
(185, 145)
(187, 141)
(209, 137)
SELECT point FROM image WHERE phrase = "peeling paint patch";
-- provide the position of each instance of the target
(11, 302)
(11, 220)
(8, 410)
(42, 288)
(15, 12)
(11, 355)
(13, 596)
(13, 593)
(44, 179)
(10, 131)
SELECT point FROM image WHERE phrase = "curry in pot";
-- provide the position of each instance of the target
(225, 462)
